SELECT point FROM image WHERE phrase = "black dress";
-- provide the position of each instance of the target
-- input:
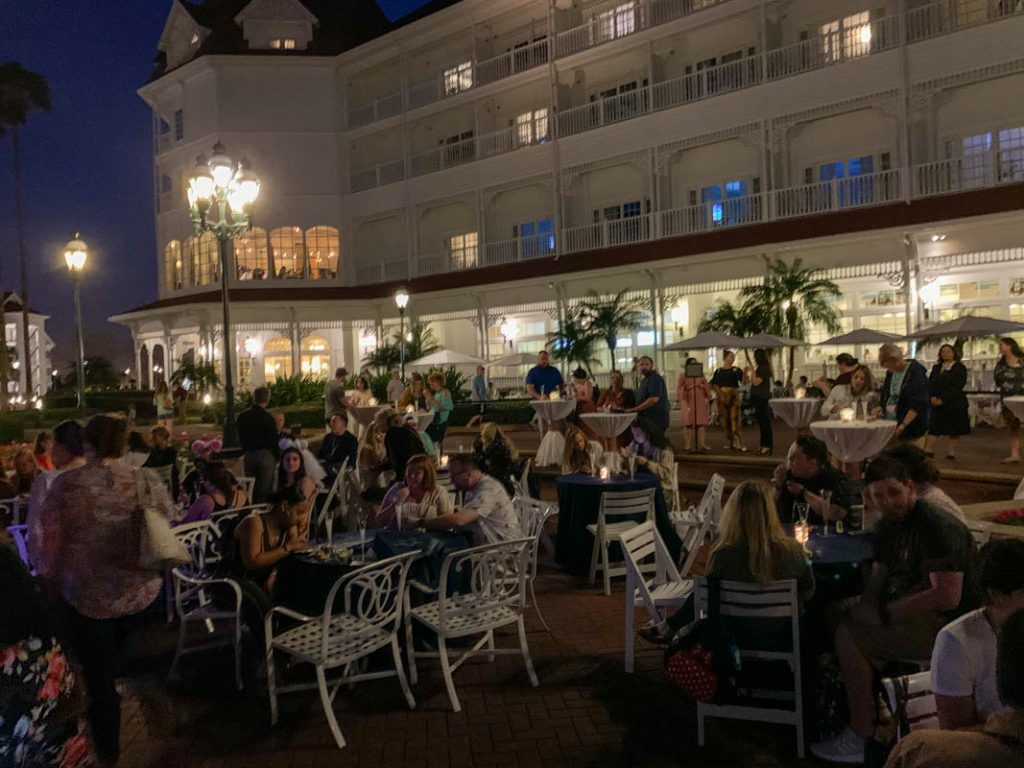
(951, 417)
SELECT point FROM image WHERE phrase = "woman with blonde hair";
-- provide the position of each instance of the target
(423, 498)
(164, 404)
(496, 455)
(577, 457)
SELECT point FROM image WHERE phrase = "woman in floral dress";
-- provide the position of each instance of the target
(1009, 377)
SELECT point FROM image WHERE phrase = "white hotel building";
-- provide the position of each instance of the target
(501, 158)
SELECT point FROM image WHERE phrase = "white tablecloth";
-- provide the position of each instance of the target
(550, 450)
(852, 441)
(423, 419)
(553, 410)
(363, 414)
(983, 406)
(1016, 405)
(608, 424)
(798, 412)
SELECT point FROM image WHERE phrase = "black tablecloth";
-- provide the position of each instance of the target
(579, 499)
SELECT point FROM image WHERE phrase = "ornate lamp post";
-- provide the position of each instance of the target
(221, 196)
(401, 301)
(76, 253)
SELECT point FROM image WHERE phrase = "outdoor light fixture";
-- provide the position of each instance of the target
(252, 346)
(76, 253)
(401, 301)
(509, 330)
(221, 197)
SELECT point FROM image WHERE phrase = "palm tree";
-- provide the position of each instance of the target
(202, 375)
(21, 91)
(421, 342)
(575, 339)
(734, 319)
(607, 318)
(791, 299)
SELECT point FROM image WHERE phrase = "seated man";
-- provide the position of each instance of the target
(1000, 742)
(920, 581)
(808, 475)
(964, 659)
(486, 512)
(338, 446)
(163, 454)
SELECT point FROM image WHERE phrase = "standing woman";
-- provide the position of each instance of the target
(693, 393)
(164, 405)
(949, 403)
(1009, 375)
(362, 394)
(44, 444)
(760, 392)
(439, 400)
(726, 385)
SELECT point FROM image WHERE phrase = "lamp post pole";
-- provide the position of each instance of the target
(401, 301)
(75, 255)
(230, 436)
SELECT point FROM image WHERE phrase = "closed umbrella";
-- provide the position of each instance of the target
(705, 340)
(861, 336)
(443, 359)
(968, 327)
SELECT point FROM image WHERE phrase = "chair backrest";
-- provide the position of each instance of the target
(753, 602)
(12, 510)
(524, 480)
(676, 496)
(337, 489)
(918, 700)
(532, 516)
(247, 484)
(373, 593)
(693, 539)
(487, 568)
(196, 538)
(20, 535)
(625, 504)
(981, 531)
(638, 544)
(711, 501)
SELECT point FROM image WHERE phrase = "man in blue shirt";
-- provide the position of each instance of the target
(479, 393)
(652, 396)
(543, 378)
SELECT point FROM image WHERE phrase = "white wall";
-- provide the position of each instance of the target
(674, 54)
(709, 164)
(603, 187)
(979, 108)
(379, 240)
(428, 132)
(439, 223)
(530, 203)
(840, 137)
(369, 84)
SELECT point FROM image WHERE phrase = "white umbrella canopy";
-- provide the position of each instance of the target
(768, 341)
(445, 358)
(705, 340)
(968, 326)
(511, 361)
(862, 336)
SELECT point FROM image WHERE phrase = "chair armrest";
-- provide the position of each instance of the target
(291, 614)
(205, 582)
(421, 587)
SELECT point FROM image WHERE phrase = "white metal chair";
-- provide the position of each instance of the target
(246, 484)
(20, 535)
(623, 507)
(918, 700)
(693, 532)
(752, 603)
(492, 601)
(193, 599)
(677, 497)
(13, 510)
(666, 588)
(532, 515)
(370, 619)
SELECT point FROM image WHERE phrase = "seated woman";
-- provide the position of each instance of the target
(859, 390)
(578, 456)
(653, 453)
(25, 471)
(291, 472)
(220, 491)
(423, 498)
(752, 547)
(496, 455)
(43, 446)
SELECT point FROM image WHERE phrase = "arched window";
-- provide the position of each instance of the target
(289, 254)
(277, 359)
(316, 357)
(252, 256)
(322, 245)
(174, 268)
(202, 259)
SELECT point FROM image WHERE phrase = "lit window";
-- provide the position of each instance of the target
(532, 127)
(463, 250)
(289, 44)
(458, 78)
(846, 38)
(617, 22)
(275, 43)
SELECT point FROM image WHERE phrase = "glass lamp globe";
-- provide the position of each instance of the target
(402, 298)
(75, 254)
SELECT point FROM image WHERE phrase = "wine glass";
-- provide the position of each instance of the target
(826, 496)
(801, 513)
(632, 462)
(361, 519)
(329, 526)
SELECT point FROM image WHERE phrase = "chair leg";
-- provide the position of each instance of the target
(607, 567)
(325, 699)
(490, 647)
(169, 596)
(630, 612)
(271, 680)
(526, 653)
(182, 629)
(536, 607)
(700, 726)
(238, 651)
(400, 671)
(593, 559)
(410, 648)
(446, 670)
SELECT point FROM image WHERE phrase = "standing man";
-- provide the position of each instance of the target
(334, 394)
(543, 378)
(652, 396)
(257, 433)
(479, 393)
(396, 389)
(905, 395)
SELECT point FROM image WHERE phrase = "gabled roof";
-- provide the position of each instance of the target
(12, 303)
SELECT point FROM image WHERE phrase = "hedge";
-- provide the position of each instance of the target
(497, 411)
(113, 400)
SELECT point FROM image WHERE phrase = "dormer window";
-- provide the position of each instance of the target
(283, 43)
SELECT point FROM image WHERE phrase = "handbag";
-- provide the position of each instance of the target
(159, 549)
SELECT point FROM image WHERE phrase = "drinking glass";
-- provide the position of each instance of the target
(632, 462)
(826, 496)
(329, 526)
(801, 513)
(361, 520)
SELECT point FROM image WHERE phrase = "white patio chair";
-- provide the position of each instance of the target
(677, 497)
(20, 535)
(193, 600)
(246, 484)
(492, 602)
(693, 532)
(752, 603)
(532, 515)
(623, 506)
(14, 510)
(918, 701)
(337, 488)
(372, 614)
(666, 588)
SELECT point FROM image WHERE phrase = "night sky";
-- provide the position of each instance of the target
(88, 163)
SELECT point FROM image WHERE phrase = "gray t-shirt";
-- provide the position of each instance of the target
(497, 521)
(334, 397)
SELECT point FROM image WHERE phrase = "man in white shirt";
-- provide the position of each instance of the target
(964, 660)
(486, 513)
(395, 388)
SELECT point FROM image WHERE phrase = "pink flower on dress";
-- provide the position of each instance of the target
(76, 749)
(50, 690)
(57, 665)
(8, 656)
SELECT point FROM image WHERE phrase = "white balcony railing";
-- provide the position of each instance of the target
(946, 16)
(446, 261)
(709, 216)
(606, 234)
(519, 249)
(624, 106)
(708, 82)
(825, 50)
(378, 109)
(444, 156)
(376, 176)
(513, 62)
(975, 171)
(838, 194)
(382, 272)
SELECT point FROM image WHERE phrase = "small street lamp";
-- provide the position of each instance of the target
(76, 253)
(221, 197)
(401, 301)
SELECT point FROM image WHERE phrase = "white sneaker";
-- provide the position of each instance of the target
(847, 748)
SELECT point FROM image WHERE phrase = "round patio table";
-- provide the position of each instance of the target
(606, 424)
(423, 420)
(579, 499)
(797, 412)
(852, 441)
(1016, 405)
(552, 443)
(363, 415)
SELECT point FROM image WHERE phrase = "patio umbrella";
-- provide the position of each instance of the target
(705, 340)
(768, 341)
(445, 358)
(511, 361)
(969, 327)
(861, 336)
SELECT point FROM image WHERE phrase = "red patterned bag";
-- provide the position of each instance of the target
(692, 671)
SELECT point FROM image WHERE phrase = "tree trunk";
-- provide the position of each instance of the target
(19, 220)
